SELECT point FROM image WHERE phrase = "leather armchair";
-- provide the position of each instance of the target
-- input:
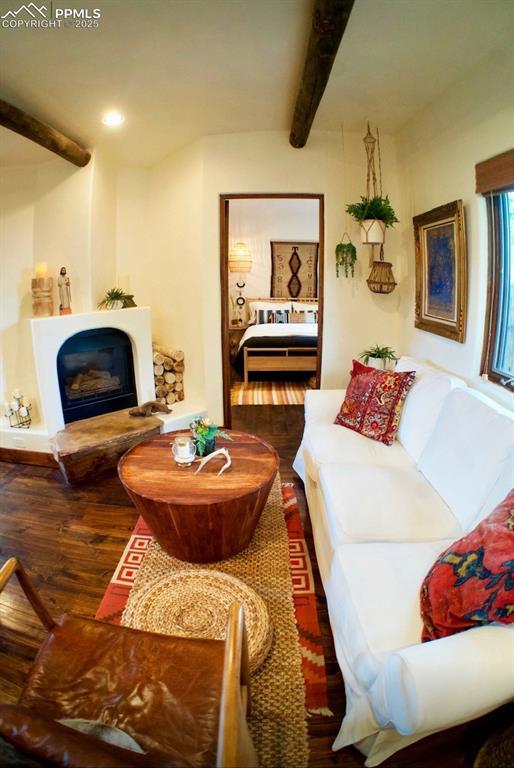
(183, 700)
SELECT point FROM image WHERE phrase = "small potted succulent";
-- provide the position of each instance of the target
(379, 357)
(116, 298)
(204, 434)
(374, 214)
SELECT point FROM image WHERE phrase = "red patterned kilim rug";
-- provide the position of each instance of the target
(304, 598)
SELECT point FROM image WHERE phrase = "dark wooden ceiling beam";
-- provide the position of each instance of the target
(18, 121)
(329, 21)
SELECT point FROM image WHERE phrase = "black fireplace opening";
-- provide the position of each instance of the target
(96, 373)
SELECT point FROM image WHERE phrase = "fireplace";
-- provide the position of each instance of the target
(95, 370)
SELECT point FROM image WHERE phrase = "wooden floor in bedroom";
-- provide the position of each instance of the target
(70, 541)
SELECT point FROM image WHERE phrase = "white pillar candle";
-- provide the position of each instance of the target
(183, 448)
(23, 411)
(15, 406)
(41, 269)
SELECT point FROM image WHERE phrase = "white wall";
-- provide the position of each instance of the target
(159, 224)
(44, 216)
(168, 243)
(102, 227)
(265, 162)
(439, 149)
(16, 269)
(55, 213)
(62, 199)
(259, 221)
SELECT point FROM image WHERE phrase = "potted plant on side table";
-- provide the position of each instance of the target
(379, 357)
(374, 214)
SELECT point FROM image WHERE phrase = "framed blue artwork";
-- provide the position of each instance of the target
(441, 271)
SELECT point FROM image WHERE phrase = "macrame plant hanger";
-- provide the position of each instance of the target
(346, 253)
(381, 278)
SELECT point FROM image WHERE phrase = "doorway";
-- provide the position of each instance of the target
(272, 257)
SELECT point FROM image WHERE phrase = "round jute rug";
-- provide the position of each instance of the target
(196, 604)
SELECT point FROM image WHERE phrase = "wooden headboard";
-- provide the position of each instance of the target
(282, 300)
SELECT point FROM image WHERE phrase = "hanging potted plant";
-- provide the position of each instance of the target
(346, 256)
(374, 214)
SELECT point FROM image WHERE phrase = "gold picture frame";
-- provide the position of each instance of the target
(441, 271)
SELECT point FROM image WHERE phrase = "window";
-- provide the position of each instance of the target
(498, 361)
(495, 180)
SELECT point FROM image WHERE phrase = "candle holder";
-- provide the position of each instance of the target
(183, 449)
(18, 411)
(42, 301)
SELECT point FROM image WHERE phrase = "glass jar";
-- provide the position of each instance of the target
(183, 449)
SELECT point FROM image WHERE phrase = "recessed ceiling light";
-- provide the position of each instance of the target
(113, 119)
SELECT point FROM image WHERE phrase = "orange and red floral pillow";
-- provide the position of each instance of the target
(374, 401)
(472, 582)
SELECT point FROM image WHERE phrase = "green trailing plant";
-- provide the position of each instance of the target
(113, 296)
(379, 353)
(373, 208)
(346, 256)
(205, 433)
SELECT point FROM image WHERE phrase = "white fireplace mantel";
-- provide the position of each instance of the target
(50, 333)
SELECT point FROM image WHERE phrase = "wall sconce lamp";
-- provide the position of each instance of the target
(240, 260)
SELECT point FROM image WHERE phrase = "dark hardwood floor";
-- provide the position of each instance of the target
(70, 541)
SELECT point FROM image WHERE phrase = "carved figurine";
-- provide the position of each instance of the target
(63, 282)
(149, 408)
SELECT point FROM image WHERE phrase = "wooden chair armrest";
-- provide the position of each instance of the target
(12, 566)
(235, 748)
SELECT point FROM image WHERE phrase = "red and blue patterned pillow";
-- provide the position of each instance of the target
(374, 401)
(472, 582)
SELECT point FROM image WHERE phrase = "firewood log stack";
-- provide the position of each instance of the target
(168, 371)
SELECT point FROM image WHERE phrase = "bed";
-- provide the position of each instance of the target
(277, 347)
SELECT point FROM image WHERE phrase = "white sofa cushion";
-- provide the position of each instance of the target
(423, 404)
(501, 488)
(474, 673)
(465, 454)
(330, 443)
(373, 600)
(375, 503)
(323, 405)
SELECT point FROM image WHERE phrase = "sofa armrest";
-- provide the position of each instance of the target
(323, 404)
(441, 683)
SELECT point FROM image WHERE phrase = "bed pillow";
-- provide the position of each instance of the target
(303, 317)
(271, 316)
(304, 306)
(373, 402)
(472, 582)
(266, 306)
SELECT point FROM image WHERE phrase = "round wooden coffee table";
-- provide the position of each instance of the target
(200, 518)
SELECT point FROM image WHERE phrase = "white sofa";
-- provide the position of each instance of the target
(380, 517)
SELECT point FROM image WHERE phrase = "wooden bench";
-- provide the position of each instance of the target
(84, 449)
(279, 359)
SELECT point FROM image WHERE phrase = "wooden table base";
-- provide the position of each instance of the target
(200, 518)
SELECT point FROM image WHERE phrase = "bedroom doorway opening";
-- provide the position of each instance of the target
(272, 253)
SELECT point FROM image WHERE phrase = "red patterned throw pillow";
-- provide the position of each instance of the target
(472, 582)
(373, 402)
